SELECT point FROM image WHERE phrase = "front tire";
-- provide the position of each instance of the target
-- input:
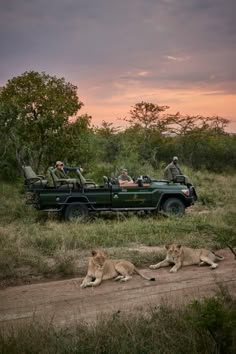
(76, 212)
(174, 206)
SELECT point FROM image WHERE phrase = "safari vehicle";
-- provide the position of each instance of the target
(78, 198)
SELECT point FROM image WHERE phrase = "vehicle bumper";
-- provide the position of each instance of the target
(190, 200)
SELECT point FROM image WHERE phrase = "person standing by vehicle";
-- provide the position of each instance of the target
(124, 177)
(172, 170)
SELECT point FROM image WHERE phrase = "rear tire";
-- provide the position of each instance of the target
(174, 206)
(76, 212)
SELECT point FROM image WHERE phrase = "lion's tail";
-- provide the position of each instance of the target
(220, 258)
(143, 276)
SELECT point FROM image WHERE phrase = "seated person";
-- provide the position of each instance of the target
(59, 170)
(124, 178)
(61, 174)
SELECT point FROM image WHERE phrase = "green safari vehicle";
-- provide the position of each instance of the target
(76, 198)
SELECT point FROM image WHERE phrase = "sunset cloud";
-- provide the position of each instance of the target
(180, 59)
(143, 73)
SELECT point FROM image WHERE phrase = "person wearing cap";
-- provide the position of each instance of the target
(124, 177)
(172, 170)
(59, 170)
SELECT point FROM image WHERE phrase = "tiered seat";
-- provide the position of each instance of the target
(62, 182)
(31, 179)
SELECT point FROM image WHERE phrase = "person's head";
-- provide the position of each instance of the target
(124, 172)
(60, 165)
(175, 159)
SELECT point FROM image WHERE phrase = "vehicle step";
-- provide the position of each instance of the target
(51, 210)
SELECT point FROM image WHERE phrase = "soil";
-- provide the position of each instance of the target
(65, 303)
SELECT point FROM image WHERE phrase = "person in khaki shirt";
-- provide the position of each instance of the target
(172, 170)
(124, 177)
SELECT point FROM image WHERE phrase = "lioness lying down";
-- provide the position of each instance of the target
(100, 268)
(184, 256)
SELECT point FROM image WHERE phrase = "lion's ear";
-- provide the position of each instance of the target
(167, 246)
(178, 246)
(105, 252)
(93, 252)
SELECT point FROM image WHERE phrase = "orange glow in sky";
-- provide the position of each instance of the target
(192, 102)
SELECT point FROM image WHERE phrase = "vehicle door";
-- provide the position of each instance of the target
(131, 196)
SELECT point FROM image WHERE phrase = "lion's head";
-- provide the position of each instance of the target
(99, 257)
(174, 252)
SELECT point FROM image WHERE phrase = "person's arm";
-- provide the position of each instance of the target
(60, 174)
(180, 172)
(121, 181)
(169, 172)
(69, 168)
(130, 180)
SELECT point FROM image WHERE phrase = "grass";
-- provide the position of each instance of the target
(33, 246)
(207, 326)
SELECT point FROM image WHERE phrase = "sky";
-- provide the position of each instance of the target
(180, 53)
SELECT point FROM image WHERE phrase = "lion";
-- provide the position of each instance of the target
(184, 256)
(100, 268)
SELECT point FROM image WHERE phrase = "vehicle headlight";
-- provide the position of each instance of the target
(185, 191)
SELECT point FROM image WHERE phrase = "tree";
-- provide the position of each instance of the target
(148, 124)
(109, 141)
(35, 108)
(197, 136)
(181, 125)
(147, 115)
(79, 141)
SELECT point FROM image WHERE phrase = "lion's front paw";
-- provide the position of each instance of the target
(83, 285)
(173, 270)
(91, 283)
(153, 266)
(214, 266)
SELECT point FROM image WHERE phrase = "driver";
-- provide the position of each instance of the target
(124, 177)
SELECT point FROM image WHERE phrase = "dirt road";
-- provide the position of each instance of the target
(64, 302)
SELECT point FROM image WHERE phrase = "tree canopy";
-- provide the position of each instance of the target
(147, 115)
(35, 109)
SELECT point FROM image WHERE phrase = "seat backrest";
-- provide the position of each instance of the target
(33, 180)
(53, 175)
(28, 172)
(81, 177)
